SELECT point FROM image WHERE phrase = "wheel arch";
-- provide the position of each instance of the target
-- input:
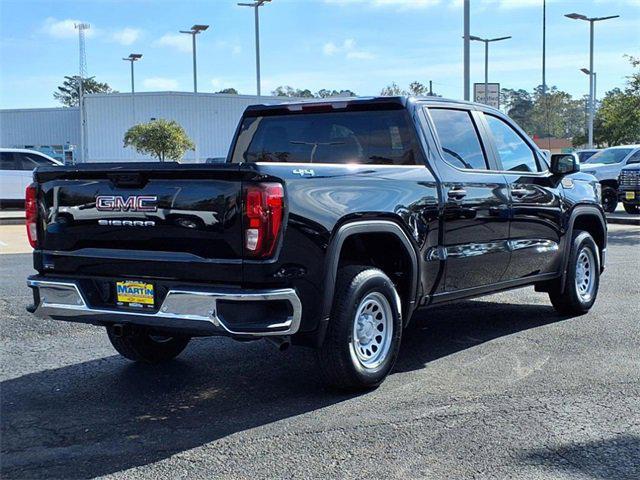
(588, 218)
(363, 228)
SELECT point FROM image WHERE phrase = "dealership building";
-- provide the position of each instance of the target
(210, 120)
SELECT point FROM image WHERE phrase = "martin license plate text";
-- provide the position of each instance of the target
(135, 294)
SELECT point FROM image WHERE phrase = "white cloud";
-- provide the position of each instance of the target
(126, 36)
(403, 4)
(348, 49)
(160, 83)
(232, 47)
(179, 41)
(64, 28)
(329, 48)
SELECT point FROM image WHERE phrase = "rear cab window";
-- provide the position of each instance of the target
(377, 137)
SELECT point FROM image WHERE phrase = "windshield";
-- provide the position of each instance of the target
(610, 155)
(369, 137)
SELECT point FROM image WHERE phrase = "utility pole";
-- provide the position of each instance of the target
(466, 51)
(430, 88)
(592, 21)
(256, 5)
(82, 74)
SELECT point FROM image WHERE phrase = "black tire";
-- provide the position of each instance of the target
(609, 199)
(632, 209)
(571, 301)
(140, 346)
(340, 367)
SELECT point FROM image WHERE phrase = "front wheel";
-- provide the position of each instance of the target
(140, 346)
(363, 337)
(609, 199)
(631, 208)
(582, 279)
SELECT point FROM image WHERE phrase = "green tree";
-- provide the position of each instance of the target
(287, 91)
(164, 139)
(325, 93)
(69, 92)
(618, 118)
(229, 91)
(519, 106)
(418, 89)
(392, 90)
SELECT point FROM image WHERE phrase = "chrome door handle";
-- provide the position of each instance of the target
(519, 192)
(457, 193)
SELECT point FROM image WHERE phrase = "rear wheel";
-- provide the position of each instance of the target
(364, 332)
(141, 346)
(631, 208)
(582, 280)
(609, 199)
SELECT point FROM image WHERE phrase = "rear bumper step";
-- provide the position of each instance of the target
(250, 313)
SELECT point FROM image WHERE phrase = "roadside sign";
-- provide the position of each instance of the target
(493, 95)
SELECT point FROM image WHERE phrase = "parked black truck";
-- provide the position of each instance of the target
(329, 225)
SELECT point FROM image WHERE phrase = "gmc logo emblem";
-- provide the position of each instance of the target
(134, 203)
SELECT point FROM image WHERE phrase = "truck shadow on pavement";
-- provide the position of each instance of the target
(108, 415)
(615, 457)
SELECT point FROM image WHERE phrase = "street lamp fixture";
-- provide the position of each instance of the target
(133, 57)
(592, 21)
(195, 30)
(486, 42)
(256, 5)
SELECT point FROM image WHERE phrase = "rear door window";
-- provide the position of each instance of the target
(7, 162)
(459, 138)
(382, 137)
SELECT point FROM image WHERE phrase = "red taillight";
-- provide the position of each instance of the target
(264, 209)
(31, 214)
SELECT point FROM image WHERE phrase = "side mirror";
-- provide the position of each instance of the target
(564, 163)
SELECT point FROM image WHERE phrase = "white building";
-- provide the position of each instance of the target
(209, 119)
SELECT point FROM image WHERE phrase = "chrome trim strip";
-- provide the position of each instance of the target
(64, 299)
(477, 249)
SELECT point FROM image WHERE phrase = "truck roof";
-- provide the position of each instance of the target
(351, 103)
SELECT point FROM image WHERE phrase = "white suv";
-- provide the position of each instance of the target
(606, 166)
(16, 168)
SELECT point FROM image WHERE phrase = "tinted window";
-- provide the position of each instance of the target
(610, 155)
(635, 158)
(513, 151)
(29, 161)
(373, 137)
(458, 138)
(6, 161)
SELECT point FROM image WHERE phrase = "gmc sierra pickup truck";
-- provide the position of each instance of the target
(329, 225)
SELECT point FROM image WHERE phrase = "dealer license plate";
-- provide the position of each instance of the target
(629, 195)
(135, 294)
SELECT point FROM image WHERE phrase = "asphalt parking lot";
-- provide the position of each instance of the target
(491, 388)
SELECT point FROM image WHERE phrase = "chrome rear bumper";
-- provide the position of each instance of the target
(189, 309)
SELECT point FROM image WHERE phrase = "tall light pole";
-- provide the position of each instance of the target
(466, 27)
(133, 57)
(256, 5)
(592, 21)
(593, 78)
(487, 41)
(195, 30)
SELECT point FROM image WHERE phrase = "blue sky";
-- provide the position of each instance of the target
(362, 45)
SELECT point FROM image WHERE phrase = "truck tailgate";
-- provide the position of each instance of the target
(142, 220)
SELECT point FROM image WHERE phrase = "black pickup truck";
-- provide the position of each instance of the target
(330, 225)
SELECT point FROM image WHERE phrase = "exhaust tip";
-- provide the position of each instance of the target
(281, 343)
